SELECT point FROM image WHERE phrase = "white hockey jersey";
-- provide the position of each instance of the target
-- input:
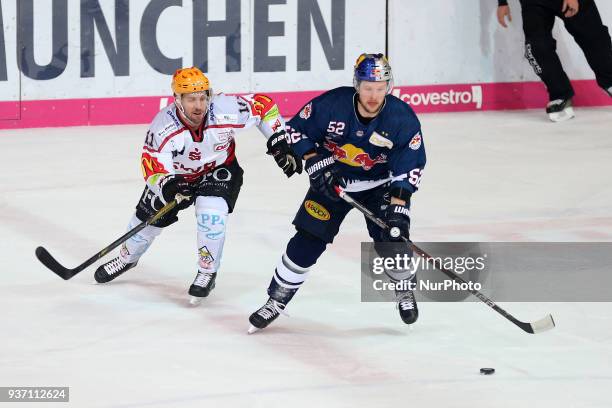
(172, 148)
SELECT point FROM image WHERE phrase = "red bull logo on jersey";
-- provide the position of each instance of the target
(305, 113)
(353, 156)
(415, 142)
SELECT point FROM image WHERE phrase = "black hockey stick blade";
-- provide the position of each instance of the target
(46, 259)
(49, 261)
(539, 326)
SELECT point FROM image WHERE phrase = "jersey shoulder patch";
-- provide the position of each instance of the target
(306, 111)
(264, 107)
(416, 141)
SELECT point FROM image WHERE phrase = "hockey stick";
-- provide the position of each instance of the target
(538, 326)
(47, 259)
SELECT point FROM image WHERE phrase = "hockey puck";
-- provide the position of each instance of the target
(487, 371)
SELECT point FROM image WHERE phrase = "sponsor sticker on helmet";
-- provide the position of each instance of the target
(316, 210)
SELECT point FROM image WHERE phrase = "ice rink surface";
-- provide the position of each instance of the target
(503, 176)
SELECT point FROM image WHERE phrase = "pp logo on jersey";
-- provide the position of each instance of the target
(415, 142)
(316, 210)
(306, 111)
(206, 259)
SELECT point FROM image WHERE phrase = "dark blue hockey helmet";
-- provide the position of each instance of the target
(373, 68)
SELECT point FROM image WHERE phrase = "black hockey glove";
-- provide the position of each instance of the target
(324, 175)
(174, 184)
(397, 218)
(285, 158)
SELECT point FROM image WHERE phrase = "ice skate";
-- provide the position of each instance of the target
(203, 284)
(266, 315)
(560, 110)
(112, 269)
(407, 306)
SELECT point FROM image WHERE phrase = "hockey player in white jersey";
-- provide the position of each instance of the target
(190, 150)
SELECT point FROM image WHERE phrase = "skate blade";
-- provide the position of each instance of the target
(253, 329)
(565, 114)
(195, 301)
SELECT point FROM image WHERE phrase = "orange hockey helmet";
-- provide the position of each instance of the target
(189, 80)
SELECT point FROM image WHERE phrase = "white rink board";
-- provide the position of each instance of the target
(454, 42)
(175, 40)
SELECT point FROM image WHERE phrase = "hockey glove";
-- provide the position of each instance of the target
(397, 218)
(172, 185)
(324, 175)
(285, 158)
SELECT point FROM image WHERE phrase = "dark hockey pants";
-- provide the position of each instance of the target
(540, 47)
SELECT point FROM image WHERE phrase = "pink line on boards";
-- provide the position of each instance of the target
(493, 96)
(422, 98)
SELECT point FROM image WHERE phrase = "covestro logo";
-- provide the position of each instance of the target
(452, 96)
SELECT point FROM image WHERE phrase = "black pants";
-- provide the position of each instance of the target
(540, 47)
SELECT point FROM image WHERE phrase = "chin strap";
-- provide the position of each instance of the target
(179, 105)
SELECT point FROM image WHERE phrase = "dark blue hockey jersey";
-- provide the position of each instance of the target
(389, 148)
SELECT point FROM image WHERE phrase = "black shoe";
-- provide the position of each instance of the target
(609, 91)
(112, 269)
(407, 305)
(203, 284)
(266, 315)
(560, 110)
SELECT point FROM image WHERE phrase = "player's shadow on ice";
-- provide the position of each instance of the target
(173, 292)
(303, 327)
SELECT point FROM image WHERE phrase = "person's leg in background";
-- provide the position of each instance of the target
(593, 38)
(540, 51)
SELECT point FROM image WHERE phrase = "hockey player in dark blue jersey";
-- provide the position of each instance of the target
(366, 141)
